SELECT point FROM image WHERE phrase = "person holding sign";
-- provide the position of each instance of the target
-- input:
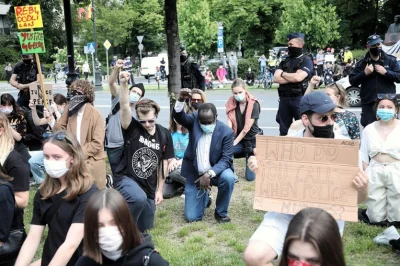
(380, 155)
(312, 239)
(317, 116)
(25, 72)
(87, 124)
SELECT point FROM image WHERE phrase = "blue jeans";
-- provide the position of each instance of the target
(142, 208)
(37, 166)
(262, 69)
(238, 150)
(196, 200)
(114, 157)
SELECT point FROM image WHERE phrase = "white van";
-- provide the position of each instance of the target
(149, 64)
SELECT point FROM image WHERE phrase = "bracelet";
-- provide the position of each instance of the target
(282, 74)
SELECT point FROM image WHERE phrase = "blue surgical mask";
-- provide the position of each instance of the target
(385, 114)
(133, 97)
(208, 129)
(239, 97)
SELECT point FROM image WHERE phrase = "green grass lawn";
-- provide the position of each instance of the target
(208, 243)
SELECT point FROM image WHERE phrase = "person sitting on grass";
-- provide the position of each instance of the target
(175, 183)
(267, 242)
(111, 236)
(312, 239)
(59, 204)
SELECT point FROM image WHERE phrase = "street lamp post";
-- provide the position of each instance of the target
(72, 75)
(97, 74)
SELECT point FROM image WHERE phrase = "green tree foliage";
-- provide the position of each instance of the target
(252, 22)
(316, 19)
(53, 23)
(197, 32)
(61, 56)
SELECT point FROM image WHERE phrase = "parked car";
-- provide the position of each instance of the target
(353, 93)
(149, 65)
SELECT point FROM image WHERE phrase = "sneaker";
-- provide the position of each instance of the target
(109, 181)
(387, 235)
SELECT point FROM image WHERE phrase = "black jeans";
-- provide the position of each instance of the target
(367, 114)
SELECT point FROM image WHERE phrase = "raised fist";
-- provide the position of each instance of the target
(184, 94)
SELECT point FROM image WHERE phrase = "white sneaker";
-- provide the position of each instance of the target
(387, 235)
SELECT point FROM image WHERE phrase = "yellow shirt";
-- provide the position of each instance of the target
(348, 55)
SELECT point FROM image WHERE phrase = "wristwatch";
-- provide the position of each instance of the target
(211, 173)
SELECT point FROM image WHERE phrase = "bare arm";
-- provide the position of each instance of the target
(242, 134)
(126, 113)
(277, 77)
(113, 77)
(312, 84)
(16, 135)
(229, 123)
(38, 121)
(16, 84)
(71, 243)
(30, 246)
(22, 199)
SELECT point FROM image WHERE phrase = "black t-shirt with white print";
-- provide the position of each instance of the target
(143, 155)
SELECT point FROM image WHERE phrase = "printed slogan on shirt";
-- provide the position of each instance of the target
(296, 173)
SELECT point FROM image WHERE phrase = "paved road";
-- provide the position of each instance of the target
(268, 100)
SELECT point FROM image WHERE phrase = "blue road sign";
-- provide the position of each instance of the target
(91, 47)
(220, 39)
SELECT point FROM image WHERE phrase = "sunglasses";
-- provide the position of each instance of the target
(389, 96)
(143, 122)
(60, 136)
(325, 118)
(333, 84)
(197, 100)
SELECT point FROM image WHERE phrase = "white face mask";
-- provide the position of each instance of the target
(6, 110)
(55, 169)
(110, 241)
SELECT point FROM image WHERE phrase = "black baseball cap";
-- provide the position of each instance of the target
(295, 35)
(140, 86)
(317, 102)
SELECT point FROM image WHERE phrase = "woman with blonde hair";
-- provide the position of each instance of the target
(243, 111)
(198, 98)
(59, 204)
(14, 164)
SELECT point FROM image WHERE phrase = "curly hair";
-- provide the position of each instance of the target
(86, 87)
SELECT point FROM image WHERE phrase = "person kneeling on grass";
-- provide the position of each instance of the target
(148, 149)
(111, 236)
(59, 204)
(317, 116)
(208, 160)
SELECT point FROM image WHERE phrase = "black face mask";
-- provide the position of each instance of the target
(183, 58)
(196, 105)
(325, 132)
(27, 61)
(295, 51)
(375, 51)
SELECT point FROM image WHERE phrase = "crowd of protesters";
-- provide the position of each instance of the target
(95, 218)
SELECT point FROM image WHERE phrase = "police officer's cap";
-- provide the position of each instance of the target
(295, 35)
(317, 102)
(374, 39)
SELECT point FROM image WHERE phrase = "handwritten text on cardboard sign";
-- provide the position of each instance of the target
(296, 173)
(28, 17)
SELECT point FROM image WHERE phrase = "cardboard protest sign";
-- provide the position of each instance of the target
(28, 17)
(296, 173)
(32, 42)
(36, 94)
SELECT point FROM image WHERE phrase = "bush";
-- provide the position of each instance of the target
(243, 66)
(359, 54)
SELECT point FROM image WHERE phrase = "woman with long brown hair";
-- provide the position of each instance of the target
(312, 239)
(13, 163)
(111, 236)
(59, 203)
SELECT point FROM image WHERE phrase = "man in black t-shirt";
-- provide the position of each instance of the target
(148, 149)
(24, 73)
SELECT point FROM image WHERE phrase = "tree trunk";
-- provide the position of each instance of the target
(171, 27)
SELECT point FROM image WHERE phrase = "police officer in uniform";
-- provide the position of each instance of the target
(191, 76)
(377, 73)
(292, 76)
